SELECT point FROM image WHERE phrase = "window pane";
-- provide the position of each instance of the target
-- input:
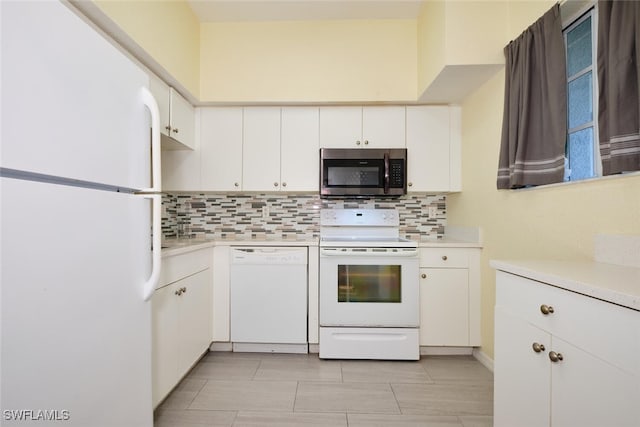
(579, 47)
(580, 153)
(580, 101)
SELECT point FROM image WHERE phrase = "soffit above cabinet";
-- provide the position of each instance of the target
(455, 82)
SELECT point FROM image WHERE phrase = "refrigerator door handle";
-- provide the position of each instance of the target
(156, 177)
(151, 283)
(156, 199)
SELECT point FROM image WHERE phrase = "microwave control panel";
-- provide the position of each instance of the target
(396, 173)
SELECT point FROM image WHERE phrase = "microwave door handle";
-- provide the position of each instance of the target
(386, 173)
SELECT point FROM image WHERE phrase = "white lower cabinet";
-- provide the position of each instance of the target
(577, 365)
(449, 297)
(181, 319)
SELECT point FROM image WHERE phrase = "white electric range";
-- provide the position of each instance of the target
(369, 286)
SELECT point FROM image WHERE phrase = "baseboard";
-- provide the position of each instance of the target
(445, 351)
(483, 358)
(241, 347)
(221, 346)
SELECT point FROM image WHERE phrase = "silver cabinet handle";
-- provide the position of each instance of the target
(284, 184)
(555, 357)
(538, 347)
(178, 292)
(168, 128)
(546, 309)
(275, 184)
(366, 142)
(424, 276)
(410, 184)
(184, 290)
(357, 142)
(444, 257)
(235, 184)
(175, 130)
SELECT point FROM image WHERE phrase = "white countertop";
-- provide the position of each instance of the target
(608, 282)
(171, 247)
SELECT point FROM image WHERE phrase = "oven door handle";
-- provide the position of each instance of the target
(404, 253)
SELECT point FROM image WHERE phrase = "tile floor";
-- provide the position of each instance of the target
(257, 389)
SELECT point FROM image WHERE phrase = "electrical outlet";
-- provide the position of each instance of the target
(433, 212)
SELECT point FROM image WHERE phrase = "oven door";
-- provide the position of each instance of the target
(369, 287)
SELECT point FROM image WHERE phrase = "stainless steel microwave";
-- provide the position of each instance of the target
(363, 172)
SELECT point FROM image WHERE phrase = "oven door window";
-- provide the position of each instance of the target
(369, 283)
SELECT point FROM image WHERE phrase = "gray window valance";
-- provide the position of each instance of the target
(534, 127)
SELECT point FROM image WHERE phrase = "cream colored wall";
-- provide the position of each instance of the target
(168, 30)
(460, 32)
(432, 55)
(309, 61)
(554, 222)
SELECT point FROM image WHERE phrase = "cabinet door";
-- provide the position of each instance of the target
(522, 377)
(221, 278)
(587, 391)
(165, 341)
(180, 170)
(444, 306)
(261, 149)
(195, 318)
(299, 149)
(428, 155)
(221, 148)
(182, 119)
(383, 127)
(341, 127)
(160, 91)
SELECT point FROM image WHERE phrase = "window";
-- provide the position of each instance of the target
(582, 150)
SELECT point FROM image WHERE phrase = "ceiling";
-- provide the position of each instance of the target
(303, 10)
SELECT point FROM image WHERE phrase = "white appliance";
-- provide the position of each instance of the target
(269, 299)
(369, 286)
(80, 253)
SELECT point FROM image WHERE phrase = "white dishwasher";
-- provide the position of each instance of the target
(269, 299)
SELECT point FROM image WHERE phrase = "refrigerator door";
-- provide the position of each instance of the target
(71, 101)
(76, 342)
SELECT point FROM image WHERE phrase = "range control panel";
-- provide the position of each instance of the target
(360, 217)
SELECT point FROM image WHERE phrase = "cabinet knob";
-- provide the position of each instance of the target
(284, 184)
(538, 347)
(366, 142)
(175, 130)
(168, 128)
(235, 184)
(178, 292)
(410, 184)
(357, 142)
(555, 357)
(546, 309)
(424, 276)
(184, 290)
(275, 184)
(444, 257)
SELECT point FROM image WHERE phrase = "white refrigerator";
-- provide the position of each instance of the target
(80, 217)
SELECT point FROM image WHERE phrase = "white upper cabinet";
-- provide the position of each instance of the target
(182, 119)
(433, 148)
(177, 116)
(299, 149)
(383, 127)
(362, 127)
(261, 149)
(221, 148)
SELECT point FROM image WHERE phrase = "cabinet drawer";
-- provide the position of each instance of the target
(444, 258)
(180, 266)
(605, 330)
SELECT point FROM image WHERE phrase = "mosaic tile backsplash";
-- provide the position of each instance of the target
(286, 216)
